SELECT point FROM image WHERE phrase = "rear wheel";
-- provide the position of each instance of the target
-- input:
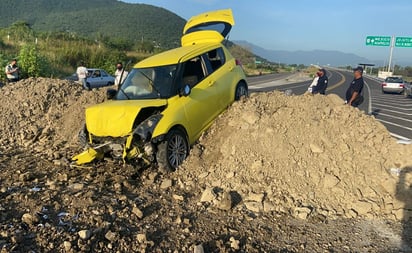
(172, 151)
(241, 91)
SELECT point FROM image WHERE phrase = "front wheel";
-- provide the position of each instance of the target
(172, 151)
(241, 91)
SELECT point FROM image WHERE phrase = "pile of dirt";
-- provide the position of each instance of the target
(303, 155)
(44, 115)
(274, 173)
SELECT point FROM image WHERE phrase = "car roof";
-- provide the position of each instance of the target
(177, 55)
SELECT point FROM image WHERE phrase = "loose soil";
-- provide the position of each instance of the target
(274, 173)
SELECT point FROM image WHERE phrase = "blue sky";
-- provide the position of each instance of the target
(308, 25)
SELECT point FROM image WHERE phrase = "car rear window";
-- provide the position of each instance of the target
(394, 80)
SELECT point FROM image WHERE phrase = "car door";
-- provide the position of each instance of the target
(200, 105)
(106, 78)
(221, 76)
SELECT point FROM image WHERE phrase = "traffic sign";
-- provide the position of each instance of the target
(383, 41)
(403, 42)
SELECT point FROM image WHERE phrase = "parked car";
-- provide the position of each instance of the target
(407, 91)
(393, 84)
(96, 78)
(168, 100)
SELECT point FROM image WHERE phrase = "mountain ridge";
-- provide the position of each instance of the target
(97, 19)
(319, 57)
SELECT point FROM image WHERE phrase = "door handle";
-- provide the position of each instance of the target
(211, 83)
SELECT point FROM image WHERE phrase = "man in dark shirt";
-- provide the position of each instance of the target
(354, 92)
(322, 83)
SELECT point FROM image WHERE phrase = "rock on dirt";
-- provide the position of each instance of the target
(274, 173)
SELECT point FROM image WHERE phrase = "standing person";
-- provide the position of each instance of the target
(321, 83)
(82, 75)
(12, 71)
(354, 92)
(120, 74)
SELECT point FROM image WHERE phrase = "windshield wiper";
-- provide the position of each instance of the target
(151, 83)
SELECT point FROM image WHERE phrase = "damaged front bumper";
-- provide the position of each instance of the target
(138, 145)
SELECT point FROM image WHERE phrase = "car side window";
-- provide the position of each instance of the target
(216, 58)
(96, 73)
(193, 72)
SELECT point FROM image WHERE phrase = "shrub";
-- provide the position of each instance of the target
(31, 62)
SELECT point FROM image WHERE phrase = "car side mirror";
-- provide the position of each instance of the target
(111, 93)
(185, 91)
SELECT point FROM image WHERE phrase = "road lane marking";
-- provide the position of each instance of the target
(339, 83)
(394, 124)
(378, 105)
(394, 117)
(370, 98)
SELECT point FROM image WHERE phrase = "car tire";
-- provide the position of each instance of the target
(172, 151)
(383, 92)
(241, 91)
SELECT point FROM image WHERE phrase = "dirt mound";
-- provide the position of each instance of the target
(43, 114)
(303, 155)
(264, 160)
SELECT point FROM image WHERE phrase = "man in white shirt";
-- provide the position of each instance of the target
(120, 74)
(82, 75)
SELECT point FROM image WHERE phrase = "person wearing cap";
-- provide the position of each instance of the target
(354, 92)
(321, 83)
(12, 71)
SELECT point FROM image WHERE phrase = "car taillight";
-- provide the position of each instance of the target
(402, 85)
(238, 62)
(383, 84)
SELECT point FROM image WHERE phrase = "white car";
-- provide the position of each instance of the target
(393, 84)
(95, 78)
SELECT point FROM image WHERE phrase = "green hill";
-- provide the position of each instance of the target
(96, 19)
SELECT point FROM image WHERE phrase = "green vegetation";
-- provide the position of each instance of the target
(110, 22)
(50, 38)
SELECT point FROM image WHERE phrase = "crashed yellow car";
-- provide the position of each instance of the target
(168, 100)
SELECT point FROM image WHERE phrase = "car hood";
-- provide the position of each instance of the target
(208, 27)
(115, 118)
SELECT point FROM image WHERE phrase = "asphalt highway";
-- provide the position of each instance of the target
(392, 110)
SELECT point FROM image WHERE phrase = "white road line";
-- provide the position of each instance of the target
(394, 117)
(387, 110)
(400, 137)
(393, 124)
(390, 106)
(370, 98)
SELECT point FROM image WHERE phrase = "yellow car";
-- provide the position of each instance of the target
(168, 100)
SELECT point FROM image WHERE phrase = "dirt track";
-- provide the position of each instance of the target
(275, 173)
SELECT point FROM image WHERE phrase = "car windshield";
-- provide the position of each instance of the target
(148, 83)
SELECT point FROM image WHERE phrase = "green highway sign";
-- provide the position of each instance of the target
(383, 41)
(403, 42)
